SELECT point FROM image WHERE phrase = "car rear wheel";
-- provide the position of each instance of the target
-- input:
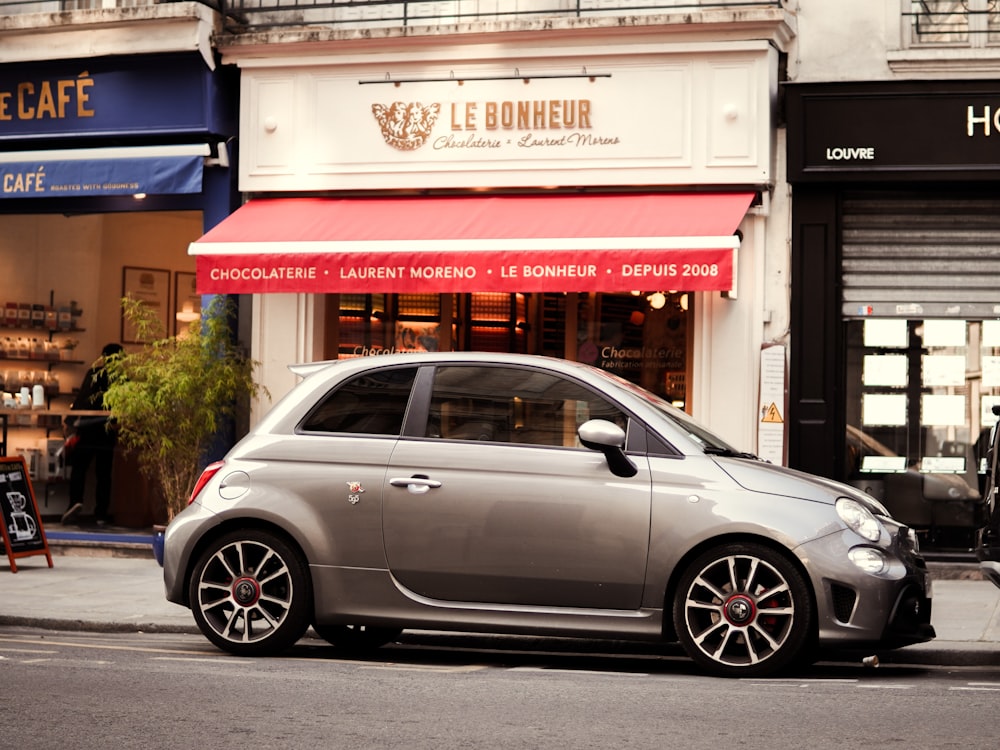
(250, 593)
(743, 610)
(356, 637)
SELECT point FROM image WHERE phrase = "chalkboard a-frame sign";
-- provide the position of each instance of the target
(23, 535)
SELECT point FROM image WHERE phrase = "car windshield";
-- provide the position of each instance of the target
(708, 440)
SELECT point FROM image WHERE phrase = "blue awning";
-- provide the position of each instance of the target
(152, 170)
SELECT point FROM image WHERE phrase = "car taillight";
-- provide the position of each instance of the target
(210, 471)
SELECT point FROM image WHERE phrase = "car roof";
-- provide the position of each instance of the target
(305, 369)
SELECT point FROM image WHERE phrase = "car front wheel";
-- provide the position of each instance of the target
(743, 610)
(250, 593)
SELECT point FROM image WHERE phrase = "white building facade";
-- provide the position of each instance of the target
(601, 187)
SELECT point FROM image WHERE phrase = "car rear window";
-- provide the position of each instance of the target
(373, 403)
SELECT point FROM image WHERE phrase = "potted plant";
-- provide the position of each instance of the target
(170, 398)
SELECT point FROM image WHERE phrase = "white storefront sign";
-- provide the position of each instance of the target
(593, 120)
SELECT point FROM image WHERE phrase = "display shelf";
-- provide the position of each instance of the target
(46, 360)
(9, 417)
(40, 329)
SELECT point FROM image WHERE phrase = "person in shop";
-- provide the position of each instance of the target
(91, 439)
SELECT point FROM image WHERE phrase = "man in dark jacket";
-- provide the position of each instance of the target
(92, 439)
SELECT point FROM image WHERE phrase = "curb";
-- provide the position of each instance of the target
(955, 571)
(85, 548)
(962, 654)
(90, 626)
(99, 544)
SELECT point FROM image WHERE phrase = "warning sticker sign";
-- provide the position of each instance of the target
(772, 415)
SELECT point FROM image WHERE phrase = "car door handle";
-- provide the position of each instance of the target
(417, 485)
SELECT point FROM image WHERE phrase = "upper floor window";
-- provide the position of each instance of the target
(954, 23)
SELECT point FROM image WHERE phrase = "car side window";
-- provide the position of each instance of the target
(370, 404)
(513, 405)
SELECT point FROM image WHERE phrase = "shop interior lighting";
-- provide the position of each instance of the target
(460, 80)
(188, 314)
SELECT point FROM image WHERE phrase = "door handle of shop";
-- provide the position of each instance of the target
(418, 485)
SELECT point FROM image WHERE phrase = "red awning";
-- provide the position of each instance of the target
(496, 243)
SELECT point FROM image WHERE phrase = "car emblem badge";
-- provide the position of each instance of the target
(355, 489)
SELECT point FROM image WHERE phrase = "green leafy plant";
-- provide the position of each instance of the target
(170, 398)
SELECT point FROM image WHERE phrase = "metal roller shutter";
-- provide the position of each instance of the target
(916, 256)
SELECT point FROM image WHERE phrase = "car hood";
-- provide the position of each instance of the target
(759, 476)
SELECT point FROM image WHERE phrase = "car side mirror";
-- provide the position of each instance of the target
(608, 438)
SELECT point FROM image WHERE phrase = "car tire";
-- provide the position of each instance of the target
(356, 637)
(743, 610)
(250, 593)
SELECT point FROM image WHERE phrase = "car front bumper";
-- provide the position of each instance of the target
(855, 608)
(988, 554)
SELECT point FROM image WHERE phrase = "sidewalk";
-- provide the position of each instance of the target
(118, 587)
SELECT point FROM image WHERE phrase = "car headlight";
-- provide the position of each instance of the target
(859, 519)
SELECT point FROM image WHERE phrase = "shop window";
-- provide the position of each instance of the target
(362, 324)
(919, 409)
(552, 313)
(641, 337)
(417, 320)
(497, 322)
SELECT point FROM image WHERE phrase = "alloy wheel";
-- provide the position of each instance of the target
(249, 594)
(743, 609)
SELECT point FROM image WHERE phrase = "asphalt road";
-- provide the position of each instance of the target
(101, 690)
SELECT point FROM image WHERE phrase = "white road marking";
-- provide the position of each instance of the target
(553, 670)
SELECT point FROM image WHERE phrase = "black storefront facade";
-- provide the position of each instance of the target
(895, 309)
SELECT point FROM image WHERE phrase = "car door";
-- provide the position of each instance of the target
(338, 458)
(498, 503)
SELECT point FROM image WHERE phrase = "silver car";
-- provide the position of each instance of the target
(519, 494)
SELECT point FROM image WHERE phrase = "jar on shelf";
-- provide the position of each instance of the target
(66, 348)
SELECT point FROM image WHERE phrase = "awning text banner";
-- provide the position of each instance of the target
(84, 172)
(443, 244)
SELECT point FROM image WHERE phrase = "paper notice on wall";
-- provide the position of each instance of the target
(771, 414)
(991, 371)
(986, 416)
(883, 409)
(887, 370)
(883, 464)
(991, 334)
(944, 333)
(886, 333)
(942, 411)
(942, 464)
(943, 369)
